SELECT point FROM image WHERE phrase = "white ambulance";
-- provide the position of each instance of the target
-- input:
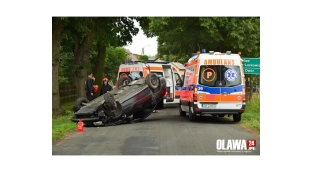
(162, 69)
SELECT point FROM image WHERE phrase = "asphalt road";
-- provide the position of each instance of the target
(163, 133)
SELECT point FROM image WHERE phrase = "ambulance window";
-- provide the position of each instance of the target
(159, 74)
(123, 74)
(189, 74)
(229, 75)
(177, 76)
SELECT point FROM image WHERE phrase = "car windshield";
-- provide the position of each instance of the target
(220, 75)
(159, 74)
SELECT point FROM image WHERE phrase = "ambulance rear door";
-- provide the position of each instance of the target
(177, 83)
(168, 74)
(232, 89)
(209, 82)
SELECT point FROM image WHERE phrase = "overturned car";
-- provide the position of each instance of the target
(132, 100)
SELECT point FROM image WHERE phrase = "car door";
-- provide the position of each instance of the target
(232, 91)
(178, 83)
(185, 91)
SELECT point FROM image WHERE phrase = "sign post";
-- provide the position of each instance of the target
(251, 66)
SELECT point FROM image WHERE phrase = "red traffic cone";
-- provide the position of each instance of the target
(80, 126)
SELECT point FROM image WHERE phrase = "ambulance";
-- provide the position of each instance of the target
(214, 84)
(162, 69)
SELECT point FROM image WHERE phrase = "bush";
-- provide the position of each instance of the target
(251, 116)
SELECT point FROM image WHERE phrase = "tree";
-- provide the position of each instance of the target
(57, 30)
(143, 58)
(111, 31)
(181, 36)
(114, 57)
(99, 32)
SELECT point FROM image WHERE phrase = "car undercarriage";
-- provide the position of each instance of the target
(131, 101)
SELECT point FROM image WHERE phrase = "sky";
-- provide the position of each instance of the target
(140, 40)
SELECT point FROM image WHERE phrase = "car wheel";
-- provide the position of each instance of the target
(123, 81)
(192, 115)
(221, 115)
(79, 103)
(237, 117)
(182, 113)
(152, 81)
(110, 100)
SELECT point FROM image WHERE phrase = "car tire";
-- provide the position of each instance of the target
(110, 101)
(192, 115)
(79, 103)
(237, 117)
(152, 81)
(221, 115)
(123, 81)
(182, 113)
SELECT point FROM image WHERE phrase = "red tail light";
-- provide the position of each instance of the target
(195, 94)
(244, 95)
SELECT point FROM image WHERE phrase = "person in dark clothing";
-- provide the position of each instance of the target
(89, 86)
(105, 86)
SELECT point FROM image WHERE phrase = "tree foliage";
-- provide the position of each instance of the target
(143, 58)
(115, 56)
(178, 37)
(79, 45)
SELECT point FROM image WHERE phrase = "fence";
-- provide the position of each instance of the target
(68, 93)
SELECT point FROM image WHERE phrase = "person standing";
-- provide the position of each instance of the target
(105, 86)
(89, 86)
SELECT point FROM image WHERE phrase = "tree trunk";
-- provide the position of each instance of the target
(57, 29)
(81, 55)
(99, 66)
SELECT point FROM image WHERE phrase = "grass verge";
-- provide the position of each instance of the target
(63, 124)
(251, 116)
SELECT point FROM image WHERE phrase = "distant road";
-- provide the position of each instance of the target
(163, 133)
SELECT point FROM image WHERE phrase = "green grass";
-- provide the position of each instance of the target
(63, 124)
(251, 116)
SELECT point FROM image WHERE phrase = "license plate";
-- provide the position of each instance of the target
(210, 106)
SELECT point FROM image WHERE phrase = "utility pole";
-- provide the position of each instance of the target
(142, 53)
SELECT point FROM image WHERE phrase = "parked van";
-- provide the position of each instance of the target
(213, 84)
(162, 69)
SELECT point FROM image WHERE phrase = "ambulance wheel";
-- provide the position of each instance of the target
(192, 115)
(110, 100)
(182, 113)
(79, 103)
(152, 81)
(237, 117)
(123, 81)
